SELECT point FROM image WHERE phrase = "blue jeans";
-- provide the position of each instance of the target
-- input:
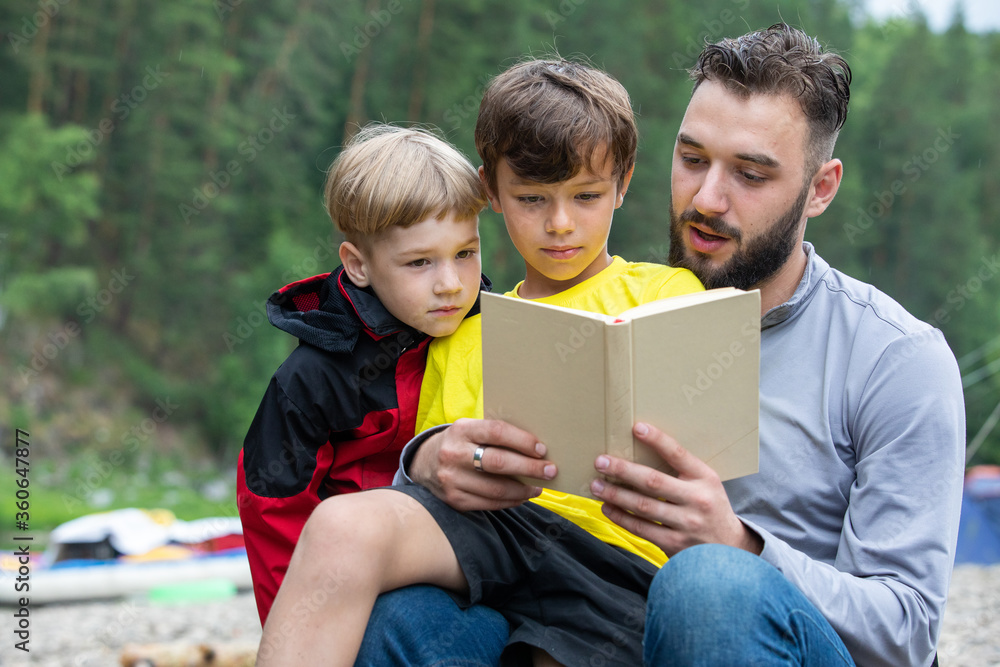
(421, 626)
(716, 605)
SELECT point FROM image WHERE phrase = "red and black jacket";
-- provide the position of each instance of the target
(334, 418)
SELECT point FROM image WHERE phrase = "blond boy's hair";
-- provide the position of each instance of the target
(393, 176)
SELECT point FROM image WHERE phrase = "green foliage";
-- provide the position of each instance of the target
(57, 292)
(163, 166)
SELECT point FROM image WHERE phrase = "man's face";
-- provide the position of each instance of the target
(739, 190)
(428, 274)
(560, 229)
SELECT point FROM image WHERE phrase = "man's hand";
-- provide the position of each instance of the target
(671, 512)
(444, 464)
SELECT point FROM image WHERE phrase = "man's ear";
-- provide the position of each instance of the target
(494, 199)
(354, 263)
(824, 186)
(626, 179)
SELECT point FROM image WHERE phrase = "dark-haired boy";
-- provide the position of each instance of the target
(848, 532)
(558, 143)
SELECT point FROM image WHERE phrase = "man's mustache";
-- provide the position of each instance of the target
(714, 225)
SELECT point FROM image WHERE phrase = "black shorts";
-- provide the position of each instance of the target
(560, 588)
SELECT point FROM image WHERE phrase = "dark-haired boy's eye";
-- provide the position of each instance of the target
(529, 199)
(589, 196)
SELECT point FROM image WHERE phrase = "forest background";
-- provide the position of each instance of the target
(161, 167)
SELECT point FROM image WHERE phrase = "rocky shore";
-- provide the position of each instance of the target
(96, 634)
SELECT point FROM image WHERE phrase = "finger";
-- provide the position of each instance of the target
(498, 460)
(686, 464)
(490, 492)
(648, 481)
(636, 504)
(662, 536)
(501, 434)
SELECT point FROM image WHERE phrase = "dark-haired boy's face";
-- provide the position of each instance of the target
(560, 229)
(739, 191)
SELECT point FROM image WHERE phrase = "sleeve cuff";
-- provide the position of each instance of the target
(402, 477)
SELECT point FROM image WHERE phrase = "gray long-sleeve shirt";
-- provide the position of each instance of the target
(862, 440)
(862, 454)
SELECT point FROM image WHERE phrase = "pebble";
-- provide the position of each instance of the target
(94, 634)
(970, 634)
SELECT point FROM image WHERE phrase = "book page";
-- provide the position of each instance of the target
(544, 371)
(696, 377)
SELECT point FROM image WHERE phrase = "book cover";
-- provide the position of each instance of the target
(689, 365)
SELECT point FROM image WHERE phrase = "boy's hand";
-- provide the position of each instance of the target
(671, 512)
(445, 465)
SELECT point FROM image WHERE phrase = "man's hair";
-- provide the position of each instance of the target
(392, 176)
(551, 118)
(785, 61)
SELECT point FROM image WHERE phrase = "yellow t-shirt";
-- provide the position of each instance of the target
(452, 387)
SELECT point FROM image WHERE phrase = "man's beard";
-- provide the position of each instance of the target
(753, 263)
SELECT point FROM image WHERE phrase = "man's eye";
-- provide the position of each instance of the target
(753, 178)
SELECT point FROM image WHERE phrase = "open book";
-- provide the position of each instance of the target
(578, 381)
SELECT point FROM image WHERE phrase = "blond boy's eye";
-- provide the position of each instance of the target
(466, 254)
(419, 262)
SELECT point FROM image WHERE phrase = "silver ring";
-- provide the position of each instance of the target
(477, 459)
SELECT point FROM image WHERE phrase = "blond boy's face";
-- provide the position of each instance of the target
(560, 229)
(427, 275)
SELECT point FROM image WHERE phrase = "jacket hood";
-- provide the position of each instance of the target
(329, 311)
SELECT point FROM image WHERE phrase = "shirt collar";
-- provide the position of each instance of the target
(816, 268)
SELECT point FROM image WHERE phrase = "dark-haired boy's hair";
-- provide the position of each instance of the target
(785, 60)
(551, 118)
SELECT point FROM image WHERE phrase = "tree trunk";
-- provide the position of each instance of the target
(355, 111)
(424, 31)
(39, 79)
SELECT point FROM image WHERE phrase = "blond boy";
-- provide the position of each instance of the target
(338, 411)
